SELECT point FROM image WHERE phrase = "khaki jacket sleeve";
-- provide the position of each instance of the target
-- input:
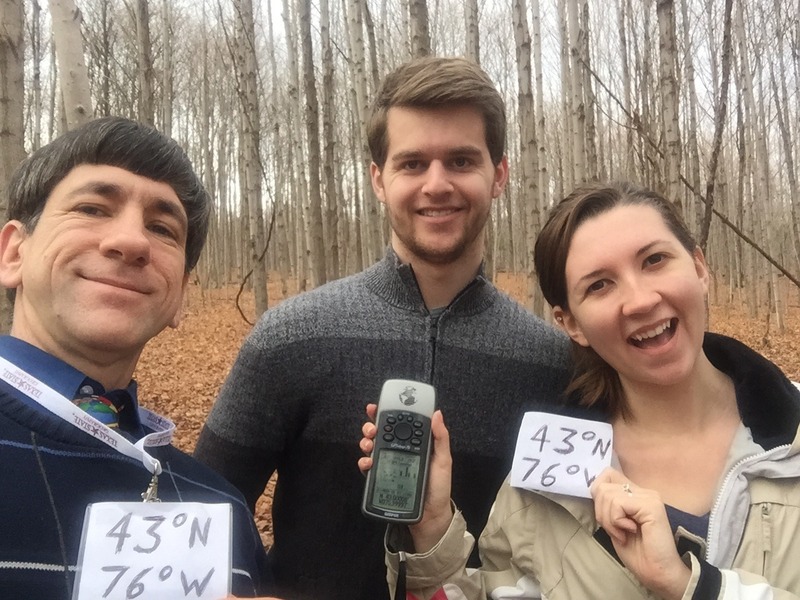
(708, 582)
(441, 573)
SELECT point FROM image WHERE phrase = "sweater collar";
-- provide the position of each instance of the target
(395, 282)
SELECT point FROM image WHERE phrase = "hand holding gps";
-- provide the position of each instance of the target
(395, 488)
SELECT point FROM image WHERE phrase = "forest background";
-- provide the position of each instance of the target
(699, 99)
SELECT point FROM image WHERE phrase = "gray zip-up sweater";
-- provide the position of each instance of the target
(294, 402)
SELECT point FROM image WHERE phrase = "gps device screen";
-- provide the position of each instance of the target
(396, 476)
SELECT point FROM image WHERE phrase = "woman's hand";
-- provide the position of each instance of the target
(437, 512)
(636, 520)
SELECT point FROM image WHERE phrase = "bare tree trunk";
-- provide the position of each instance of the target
(12, 100)
(329, 144)
(782, 105)
(645, 85)
(577, 105)
(758, 168)
(147, 113)
(528, 144)
(283, 251)
(719, 125)
(251, 152)
(66, 22)
(167, 74)
(357, 245)
(420, 38)
(368, 221)
(692, 216)
(628, 149)
(568, 176)
(669, 100)
(53, 104)
(372, 45)
(536, 27)
(379, 227)
(36, 79)
(313, 210)
(207, 156)
(12, 93)
(99, 50)
(294, 156)
(590, 131)
(737, 273)
(473, 47)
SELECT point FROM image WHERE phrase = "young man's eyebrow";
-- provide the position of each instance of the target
(417, 154)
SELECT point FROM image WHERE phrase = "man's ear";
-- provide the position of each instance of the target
(567, 322)
(500, 177)
(376, 177)
(12, 237)
(178, 316)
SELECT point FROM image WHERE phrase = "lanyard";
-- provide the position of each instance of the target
(163, 428)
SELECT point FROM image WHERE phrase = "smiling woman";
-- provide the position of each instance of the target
(596, 379)
(637, 300)
(704, 499)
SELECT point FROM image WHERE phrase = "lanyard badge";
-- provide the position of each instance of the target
(162, 428)
(151, 549)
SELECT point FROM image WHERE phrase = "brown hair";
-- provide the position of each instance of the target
(433, 82)
(595, 381)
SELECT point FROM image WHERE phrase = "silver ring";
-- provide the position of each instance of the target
(626, 487)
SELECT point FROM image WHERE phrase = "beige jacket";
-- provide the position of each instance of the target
(543, 546)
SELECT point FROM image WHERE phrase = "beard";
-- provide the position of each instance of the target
(441, 249)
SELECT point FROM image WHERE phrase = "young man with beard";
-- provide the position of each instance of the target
(294, 400)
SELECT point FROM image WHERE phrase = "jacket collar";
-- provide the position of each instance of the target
(768, 402)
(395, 282)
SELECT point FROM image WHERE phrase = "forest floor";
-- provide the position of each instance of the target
(181, 370)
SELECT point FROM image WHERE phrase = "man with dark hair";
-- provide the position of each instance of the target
(294, 401)
(105, 224)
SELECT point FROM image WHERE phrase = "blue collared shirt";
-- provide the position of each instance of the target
(67, 381)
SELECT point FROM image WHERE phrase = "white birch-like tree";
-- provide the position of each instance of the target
(472, 29)
(668, 87)
(250, 147)
(73, 75)
(313, 208)
(611, 71)
(418, 19)
(147, 111)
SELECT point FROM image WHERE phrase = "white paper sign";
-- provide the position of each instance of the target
(560, 454)
(154, 551)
